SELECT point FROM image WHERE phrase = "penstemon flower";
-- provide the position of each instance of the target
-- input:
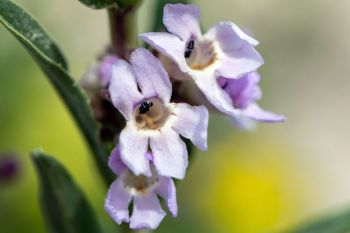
(141, 92)
(244, 93)
(142, 191)
(224, 50)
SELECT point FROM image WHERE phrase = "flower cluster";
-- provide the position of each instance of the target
(221, 63)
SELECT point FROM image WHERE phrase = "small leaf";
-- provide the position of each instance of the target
(47, 55)
(98, 4)
(334, 223)
(64, 206)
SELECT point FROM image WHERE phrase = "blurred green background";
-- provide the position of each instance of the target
(248, 182)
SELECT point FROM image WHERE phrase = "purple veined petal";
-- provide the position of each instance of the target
(117, 202)
(254, 112)
(170, 155)
(215, 94)
(229, 36)
(151, 76)
(169, 45)
(167, 190)
(115, 162)
(123, 88)
(192, 123)
(182, 20)
(239, 62)
(147, 212)
(133, 148)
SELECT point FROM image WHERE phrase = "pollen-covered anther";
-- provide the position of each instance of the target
(151, 114)
(200, 54)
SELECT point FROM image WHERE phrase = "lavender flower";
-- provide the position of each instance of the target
(224, 50)
(8, 166)
(244, 93)
(141, 92)
(142, 191)
(105, 69)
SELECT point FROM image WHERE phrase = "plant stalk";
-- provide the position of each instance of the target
(123, 30)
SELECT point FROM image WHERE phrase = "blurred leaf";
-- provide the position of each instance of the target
(98, 4)
(335, 223)
(21, 23)
(64, 206)
(51, 61)
(158, 11)
(128, 3)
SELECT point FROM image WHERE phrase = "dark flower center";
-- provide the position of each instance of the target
(199, 54)
(151, 114)
(140, 184)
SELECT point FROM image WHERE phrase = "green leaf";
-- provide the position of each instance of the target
(128, 3)
(49, 58)
(23, 24)
(98, 4)
(334, 223)
(64, 206)
(158, 11)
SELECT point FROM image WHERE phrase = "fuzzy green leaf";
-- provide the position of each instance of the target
(98, 4)
(23, 24)
(64, 205)
(334, 223)
(49, 58)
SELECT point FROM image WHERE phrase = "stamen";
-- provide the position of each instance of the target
(190, 47)
(151, 114)
(190, 44)
(145, 106)
(187, 53)
(200, 56)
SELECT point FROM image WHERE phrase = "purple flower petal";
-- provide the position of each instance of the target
(243, 91)
(105, 69)
(169, 154)
(123, 88)
(236, 63)
(239, 56)
(133, 148)
(151, 75)
(117, 202)
(182, 20)
(115, 162)
(254, 112)
(215, 94)
(169, 45)
(147, 212)
(192, 123)
(229, 36)
(167, 190)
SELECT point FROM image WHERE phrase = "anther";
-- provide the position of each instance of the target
(188, 53)
(190, 44)
(145, 107)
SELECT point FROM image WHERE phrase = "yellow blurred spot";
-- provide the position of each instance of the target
(243, 188)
